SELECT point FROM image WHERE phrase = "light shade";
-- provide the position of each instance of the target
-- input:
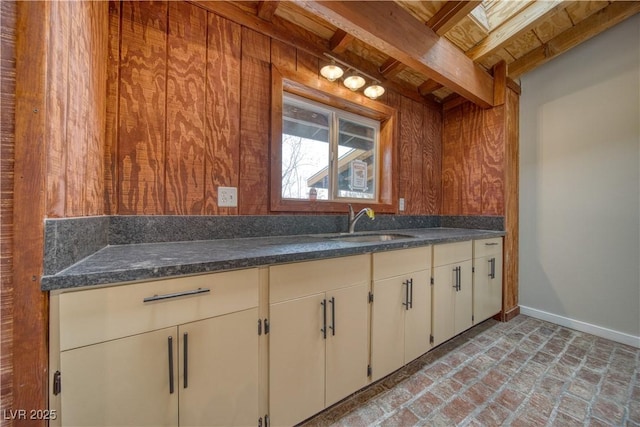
(374, 91)
(331, 72)
(354, 82)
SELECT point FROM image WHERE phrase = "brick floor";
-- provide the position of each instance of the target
(526, 372)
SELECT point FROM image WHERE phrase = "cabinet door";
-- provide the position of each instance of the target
(122, 382)
(444, 279)
(387, 326)
(418, 318)
(296, 360)
(463, 305)
(347, 348)
(218, 380)
(487, 291)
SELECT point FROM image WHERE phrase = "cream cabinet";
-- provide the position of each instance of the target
(401, 308)
(318, 337)
(168, 353)
(452, 290)
(487, 278)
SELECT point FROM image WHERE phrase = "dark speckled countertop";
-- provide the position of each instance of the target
(143, 261)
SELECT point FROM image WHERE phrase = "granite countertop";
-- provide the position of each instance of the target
(144, 261)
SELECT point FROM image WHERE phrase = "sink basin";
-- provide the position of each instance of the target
(362, 238)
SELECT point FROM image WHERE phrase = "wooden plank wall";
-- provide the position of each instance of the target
(76, 76)
(480, 175)
(473, 160)
(7, 143)
(188, 98)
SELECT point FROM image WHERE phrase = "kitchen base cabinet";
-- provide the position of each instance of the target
(487, 278)
(121, 382)
(401, 309)
(318, 335)
(118, 363)
(218, 381)
(452, 290)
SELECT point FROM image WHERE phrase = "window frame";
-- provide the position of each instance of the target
(337, 97)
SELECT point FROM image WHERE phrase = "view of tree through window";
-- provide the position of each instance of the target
(327, 153)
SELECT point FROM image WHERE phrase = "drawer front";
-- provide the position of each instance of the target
(396, 263)
(449, 253)
(486, 247)
(97, 315)
(289, 281)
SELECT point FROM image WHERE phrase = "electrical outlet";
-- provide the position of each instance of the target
(401, 207)
(227, 197)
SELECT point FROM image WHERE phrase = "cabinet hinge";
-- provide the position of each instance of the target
(266, 326)
(473, 318)
(370, 296)
(473, 269)
(369, 371)
(432, 281)
(430, 339)
(57, 383)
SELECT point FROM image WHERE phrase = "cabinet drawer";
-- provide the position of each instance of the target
(96, 315)
(486, 247)
(403, 261)
(449, 253)
(301, 279)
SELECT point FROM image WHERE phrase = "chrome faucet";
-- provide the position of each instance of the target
(353, 218)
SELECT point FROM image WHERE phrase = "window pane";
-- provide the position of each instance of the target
(356, 160)
(305, 151)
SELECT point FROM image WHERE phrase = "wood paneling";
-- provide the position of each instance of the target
(222, 148)
(431, 160)
(253, 193)
(7, 241)
(142, 114)
(185, 140)
(76, 70)
(112, 103)
(473, 161)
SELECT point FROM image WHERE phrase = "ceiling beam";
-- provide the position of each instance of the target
(514, 27)
(603, 19)
(391, 67)
(428, 87)
(267, 8)
(450, 14)
(340, 41)
(390, 28)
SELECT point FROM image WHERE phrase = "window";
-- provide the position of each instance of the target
(327, 153)
(329, 147)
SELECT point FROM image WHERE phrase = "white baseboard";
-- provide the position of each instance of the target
(578, 325)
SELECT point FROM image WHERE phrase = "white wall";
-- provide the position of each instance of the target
(580, 187)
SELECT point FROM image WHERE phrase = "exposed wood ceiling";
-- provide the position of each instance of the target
(438, 49)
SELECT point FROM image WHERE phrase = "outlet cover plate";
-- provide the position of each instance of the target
(227, 197)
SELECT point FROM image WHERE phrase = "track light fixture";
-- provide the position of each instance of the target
(354, 79)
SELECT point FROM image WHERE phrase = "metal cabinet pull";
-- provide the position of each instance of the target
(176, 295)
(411, 293)
(333, 316)
(406, 294)
(491, 244)
(458, 274)
(323, 303)
(170, 342)
(185, 354)
(492, 268)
